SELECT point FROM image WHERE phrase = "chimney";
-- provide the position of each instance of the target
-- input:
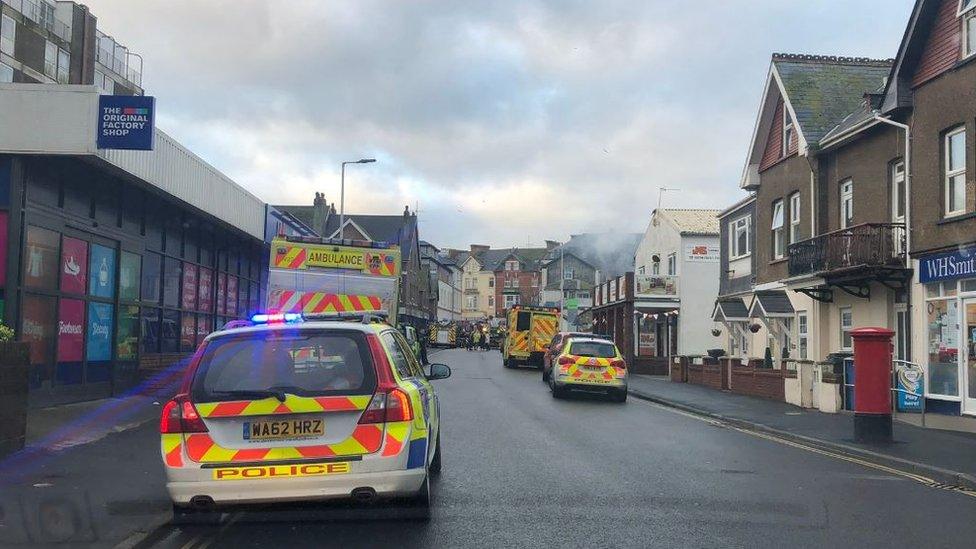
(551, 244)
(479, 248)
(320, 213)
(406, 211)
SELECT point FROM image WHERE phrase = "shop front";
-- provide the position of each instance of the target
(948, 315)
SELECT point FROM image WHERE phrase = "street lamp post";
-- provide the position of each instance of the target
(342, 191)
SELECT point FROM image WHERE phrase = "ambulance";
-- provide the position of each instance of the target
(529, 331)
(442, 335)
(312, 275)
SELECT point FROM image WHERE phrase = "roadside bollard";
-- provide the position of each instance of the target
(872, 385)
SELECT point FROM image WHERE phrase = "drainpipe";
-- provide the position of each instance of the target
(908, 218)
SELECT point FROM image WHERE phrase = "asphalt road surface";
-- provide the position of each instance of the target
(522, 469)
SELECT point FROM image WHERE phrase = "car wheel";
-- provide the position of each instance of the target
(190, 515)
(435, 462)
(620, 396)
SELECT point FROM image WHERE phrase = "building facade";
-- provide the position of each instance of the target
(117, 263)
(478, 288)
(48, 42)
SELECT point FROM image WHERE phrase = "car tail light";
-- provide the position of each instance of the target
(180, 416)
(566, 361)
(618, 363)
(385, 407)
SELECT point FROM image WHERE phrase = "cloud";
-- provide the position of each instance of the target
(505, 120)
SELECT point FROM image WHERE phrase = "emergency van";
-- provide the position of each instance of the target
(529, 331)
(311, 275)
(442, 335)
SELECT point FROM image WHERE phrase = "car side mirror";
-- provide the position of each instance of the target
(439, 371)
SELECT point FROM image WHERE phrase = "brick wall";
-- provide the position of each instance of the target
(679, 369)
(715, 376)
(759, 382)
(695, 373)
(14, 360)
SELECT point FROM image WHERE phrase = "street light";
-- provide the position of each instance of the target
(342, 191)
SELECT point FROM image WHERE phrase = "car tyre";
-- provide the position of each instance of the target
(435, 462)
(620, 396)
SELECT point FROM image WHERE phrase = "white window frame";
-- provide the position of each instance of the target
(640, 270)
(655, 267)
(845, 330)
(788, 132)
(779, 236)
(740, 225)
(569, 273)
(511, 299)
(802, 335)
(8, 43)
(51, 59)
(846, 203)
(969, 26)
(672, 264)
(950, 174)
(794, 218)
(511, 265)
(515, 282)
(491, 301)
(898, 198)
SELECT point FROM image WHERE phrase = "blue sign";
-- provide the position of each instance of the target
(126, 122)
(911, 384)
(101, 271)
(99, 345)
(960, 263)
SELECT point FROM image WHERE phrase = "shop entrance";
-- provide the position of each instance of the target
(969, 358)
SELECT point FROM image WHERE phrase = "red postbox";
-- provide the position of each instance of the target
(872, 384)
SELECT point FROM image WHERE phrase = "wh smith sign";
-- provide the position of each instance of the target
(126, 122)
(948, 266)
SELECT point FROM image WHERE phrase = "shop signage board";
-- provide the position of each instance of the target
(912, 380)
(959, 263)
(701, 253)
(71, 334)
(126, 122)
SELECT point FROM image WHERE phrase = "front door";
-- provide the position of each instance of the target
(969, 358)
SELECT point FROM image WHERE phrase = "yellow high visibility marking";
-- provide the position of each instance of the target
(171, 442)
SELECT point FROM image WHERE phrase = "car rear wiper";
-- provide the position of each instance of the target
(253, 393)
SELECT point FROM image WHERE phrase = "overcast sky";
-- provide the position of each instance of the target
(509, 122)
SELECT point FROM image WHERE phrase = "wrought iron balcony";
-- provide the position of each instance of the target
(858, 247)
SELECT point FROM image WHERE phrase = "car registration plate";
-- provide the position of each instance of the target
(283, 429)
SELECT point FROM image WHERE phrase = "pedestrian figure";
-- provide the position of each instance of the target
(476, 338)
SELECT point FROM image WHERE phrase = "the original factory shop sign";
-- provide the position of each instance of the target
(126, 122)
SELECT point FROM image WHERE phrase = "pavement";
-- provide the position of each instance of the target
(520, 469)
(945, 456)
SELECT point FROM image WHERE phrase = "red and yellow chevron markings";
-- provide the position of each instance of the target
(365, 439)
(292, 405)
(290, 257)
(294, 301)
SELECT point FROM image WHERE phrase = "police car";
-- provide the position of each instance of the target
(287, 408)
(591, 365)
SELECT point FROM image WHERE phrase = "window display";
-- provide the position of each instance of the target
(127, 339)
(943, 346)
(71, 322)
(205, 292)
(170, 332)
(129, 276)
(189, 286)
(171, 282)
(188, 332)
(231, 298)
(152, 265)
(74, 265)
(38, 328)
(102, 270)
(150, 329)
(41, 259)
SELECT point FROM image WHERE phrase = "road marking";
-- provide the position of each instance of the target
(835, 455)
(204, 539)
(230, 522)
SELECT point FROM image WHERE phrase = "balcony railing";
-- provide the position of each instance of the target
(42, 14)
(656, 285)
(866, 245)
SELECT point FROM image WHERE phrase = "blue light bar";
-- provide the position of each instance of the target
(276, 318)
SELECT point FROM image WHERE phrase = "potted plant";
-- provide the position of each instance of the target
(14, 367)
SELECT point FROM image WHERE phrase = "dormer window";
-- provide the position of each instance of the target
(787, 132)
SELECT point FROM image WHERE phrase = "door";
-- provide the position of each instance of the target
(969, 371)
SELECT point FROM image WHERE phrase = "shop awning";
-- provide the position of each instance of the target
(771, 304)
(730, 310)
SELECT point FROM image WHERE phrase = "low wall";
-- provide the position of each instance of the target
(653, 366)
(695, 372)
(758, 382)
(679, 369)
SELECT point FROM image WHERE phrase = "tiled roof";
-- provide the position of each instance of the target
(823, 90)
(733, 308)
(694, 221)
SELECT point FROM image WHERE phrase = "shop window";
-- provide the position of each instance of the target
(130, 274)
(191, 245)
(190, 285)
(242, 309)
(106, 208)
(102, 272)
(44, 190)
(779, 236)
(254, 298)
(74, 265)
(77, 199)
(149, 328)
(221, 293)
(71, 336)
(942, 319)
(152, 265)
(39, 328)
(206, 249)
(171, 282)
(955, 172)
(41, 259)
(132, 211)
(174, 237)
(98, 343)
(127, 338)
(231, 297)
(170, 332)
(188, 333)
(205, 290)
(846, 325)
(203, 327)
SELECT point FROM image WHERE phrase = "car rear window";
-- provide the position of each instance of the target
(523, 321)
(593, 348)
(303, 363)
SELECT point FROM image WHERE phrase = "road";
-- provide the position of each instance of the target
(522, 469)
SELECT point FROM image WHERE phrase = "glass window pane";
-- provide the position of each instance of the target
(203, 327)
(6, 73)
(170, 339)
(98, 345)
(189, 300)
(129, 276)
(188, 333)
(957, 193)
(152, 265)
(41, 259)
(71, 337)
(171, 282)
(778, 214)
(102, 269)
(971, 36)
(127, 340)
(74, 265)
(205, 292)
(149, 328)
(957, 151)
(38, 329)
(943, 345)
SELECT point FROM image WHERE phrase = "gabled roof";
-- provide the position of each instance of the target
(771, 304)
(819, 92)
(302, 213)
(494, 259)
(381, 228)
(693, 222)
(732, 309)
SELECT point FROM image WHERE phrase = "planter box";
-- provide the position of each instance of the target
(14, 366)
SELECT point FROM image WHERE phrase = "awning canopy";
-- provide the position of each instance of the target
(771, 304)
(730, 310)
